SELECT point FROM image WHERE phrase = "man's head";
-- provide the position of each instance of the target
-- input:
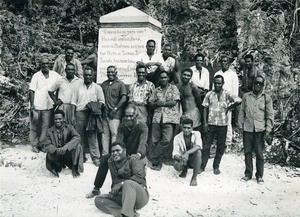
(224, 63)
(167, 50)
(187, 126)
(249, 61)
(150, 46)
(70, 70)
(130, 115)
(186, 75)
(88, 75)
(44, 63)
(141, 71)
(90, 47)
(69, 53)
(111, 73)
(258, 84)
(199, 59)
(218, 83)
(59, 116)
(118, 151)
(164, 78)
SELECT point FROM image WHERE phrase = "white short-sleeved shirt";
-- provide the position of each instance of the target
(40, 85)
(143, 57)
(83, 95)
(231, 81)
(200, 81)
(66, 88)
(169, 64)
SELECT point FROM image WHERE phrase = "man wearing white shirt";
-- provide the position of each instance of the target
(231, 84)
(170, 63)
(65, 87)
(153, 61)
(41, 104)
(200, 74)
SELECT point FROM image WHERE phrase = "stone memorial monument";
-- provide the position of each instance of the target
(122, 36)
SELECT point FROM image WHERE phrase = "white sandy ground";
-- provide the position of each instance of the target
(28, 189)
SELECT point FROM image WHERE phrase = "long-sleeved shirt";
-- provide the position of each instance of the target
(68, 138)
(200, 79)
(130, 170)
(134, 138)
(60, 65)
(256, 113)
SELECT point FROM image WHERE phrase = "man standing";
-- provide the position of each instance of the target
(153, 61)
(63, 147)
(139, 93)
(86, 93)
(115, 97)
(62, 60)
(133, 134)
(190, 96)
(90, 59)
(187, 150)
(231, 85)
(256, 118)
(200, 74)
(129, 188)
(41, 104)
(249, 73)
(65, 88)
(216, 105)
(165, 102)
(170, 64)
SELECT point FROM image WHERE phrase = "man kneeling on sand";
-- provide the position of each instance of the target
(63, 147)
(187, 150)
(129, 189)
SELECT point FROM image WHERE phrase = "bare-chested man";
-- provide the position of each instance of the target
(190, 96)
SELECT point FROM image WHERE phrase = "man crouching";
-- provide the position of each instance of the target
(63, 147)
(187, 150)
(129, 190)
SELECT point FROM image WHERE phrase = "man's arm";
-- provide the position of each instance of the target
(79, 68)
(143, 140)
(88, 59)
(48, 145)
(241, 117)
(197, 94)
(236, 101)
(31, 99)
(75, 139)
(205, 116)
(269, 114)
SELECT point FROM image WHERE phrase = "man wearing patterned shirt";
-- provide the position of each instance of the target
(231, 85)
(216, 105)
(139, 93)
(165, 102)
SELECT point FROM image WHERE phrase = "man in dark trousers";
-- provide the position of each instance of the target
(129, 189)
(131, 132)
(63, 147)
(256, 119)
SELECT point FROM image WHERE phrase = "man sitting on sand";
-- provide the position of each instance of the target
(129, 189)
(63, 147)
(187, 150)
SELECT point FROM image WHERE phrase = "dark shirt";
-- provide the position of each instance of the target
(113, 93)
(129, 170)
(134, 138)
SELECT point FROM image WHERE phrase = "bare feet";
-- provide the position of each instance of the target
(35, 150)
(183, 173)
(193, 181)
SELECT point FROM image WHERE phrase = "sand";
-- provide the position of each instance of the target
(28, 189)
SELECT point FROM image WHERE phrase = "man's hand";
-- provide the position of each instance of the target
(73, 121)
(159, 103)
(32, 108)
(112, 114)
(185, 157)
(135, 157)
(61, 151)
(116, 189)
(58, 103)
(268, 138)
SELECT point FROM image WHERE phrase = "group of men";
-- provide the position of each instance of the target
(143, 122)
